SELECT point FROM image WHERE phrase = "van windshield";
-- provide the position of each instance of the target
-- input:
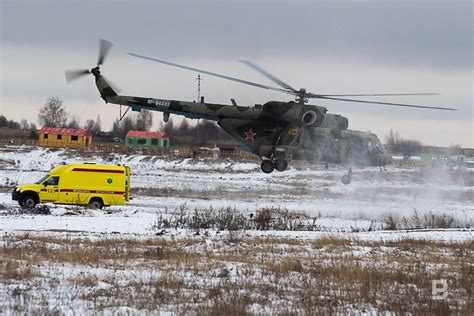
(42, 179)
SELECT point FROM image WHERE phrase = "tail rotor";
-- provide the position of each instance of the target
(104, 49)
(102, 83)
(72, 75)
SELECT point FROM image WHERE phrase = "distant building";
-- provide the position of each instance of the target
(448, 160)
(147, 139)
(64, 137)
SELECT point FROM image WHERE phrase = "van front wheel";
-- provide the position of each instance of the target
(28, 201)
(96, 203)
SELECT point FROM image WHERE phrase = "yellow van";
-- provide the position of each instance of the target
(78, 184)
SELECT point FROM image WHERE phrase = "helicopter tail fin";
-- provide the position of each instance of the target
(106, 89)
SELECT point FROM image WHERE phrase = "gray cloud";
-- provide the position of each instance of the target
(422, 33)
(331, 47)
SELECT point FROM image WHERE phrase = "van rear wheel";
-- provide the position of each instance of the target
(28, 201)
(96, 203)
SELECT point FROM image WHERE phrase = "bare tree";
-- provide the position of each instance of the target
(90, 123)
(144, 120)
(399, 145)
(169, 127)
(116, 127)
(408, 147)
(4, 122)
(33, 131)
(53, 113)
(98, 124)
(73, 123)
(121, 128)
(24, 124)
(161, 127)
(128, 124)
(183, 129)
(93, 126)
(392, 138)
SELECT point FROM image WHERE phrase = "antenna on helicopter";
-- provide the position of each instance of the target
(199, 79)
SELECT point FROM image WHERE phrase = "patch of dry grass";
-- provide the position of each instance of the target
(231, 219)
(423, 221)
(14, 270)
(247, 275)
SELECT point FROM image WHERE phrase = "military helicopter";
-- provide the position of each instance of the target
(276, 131)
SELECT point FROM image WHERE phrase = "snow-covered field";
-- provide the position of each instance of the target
(433, 207)
(160, 185)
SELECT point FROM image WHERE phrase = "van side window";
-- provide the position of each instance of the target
(52, 181)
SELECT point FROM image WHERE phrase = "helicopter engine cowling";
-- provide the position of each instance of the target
(335, 122)
(312, 118)
(342, 122)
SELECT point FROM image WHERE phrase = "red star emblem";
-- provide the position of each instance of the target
(250, 135)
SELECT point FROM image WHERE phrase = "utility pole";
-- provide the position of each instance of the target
(199, 87)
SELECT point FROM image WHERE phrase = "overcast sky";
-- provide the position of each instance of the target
(326, 47)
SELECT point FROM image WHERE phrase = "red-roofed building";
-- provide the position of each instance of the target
(147, 139)
(64, 137)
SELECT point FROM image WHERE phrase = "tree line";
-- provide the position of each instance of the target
(406, 147)
(23, 124)
(54, 114)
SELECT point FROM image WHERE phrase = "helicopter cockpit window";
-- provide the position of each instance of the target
(379, 147)
(375, 147)
(370, 146)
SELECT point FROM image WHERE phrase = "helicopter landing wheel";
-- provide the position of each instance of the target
(347, 178)
(267, 166)
(281, 165)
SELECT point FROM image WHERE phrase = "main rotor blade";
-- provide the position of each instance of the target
(375, 94)
(72, 75)
(388, 103)
(210, 73)
(268, 75)
(104, 48)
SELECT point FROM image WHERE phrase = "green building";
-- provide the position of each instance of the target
(448, 160)
(147, 139)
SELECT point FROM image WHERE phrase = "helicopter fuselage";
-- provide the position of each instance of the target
(278, 130)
